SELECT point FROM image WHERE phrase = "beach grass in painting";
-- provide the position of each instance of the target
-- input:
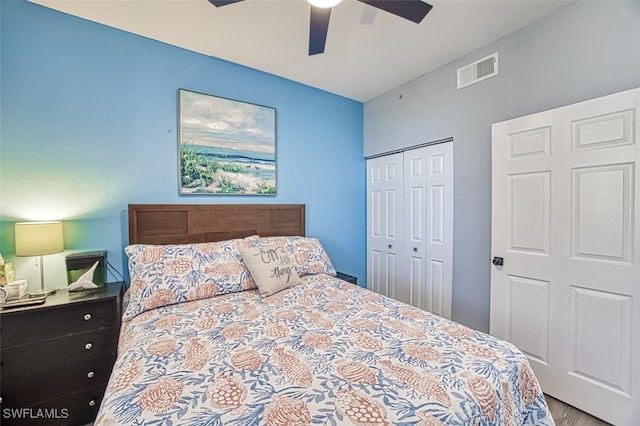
(226, 146)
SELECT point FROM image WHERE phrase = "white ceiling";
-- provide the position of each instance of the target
(360, 61)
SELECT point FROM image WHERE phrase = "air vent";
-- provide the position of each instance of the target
(478, 71)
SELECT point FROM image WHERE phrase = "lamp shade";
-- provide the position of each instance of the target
(38, 238)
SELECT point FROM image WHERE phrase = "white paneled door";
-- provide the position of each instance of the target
(565, 281)
(410, 226)
(384, 217)
(439, 224)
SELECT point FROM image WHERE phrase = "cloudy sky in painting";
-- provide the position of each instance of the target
(206, 119)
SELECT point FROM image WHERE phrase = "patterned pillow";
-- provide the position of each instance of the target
(272, 266)
(309, 254)
(311, 257)
(168, 274)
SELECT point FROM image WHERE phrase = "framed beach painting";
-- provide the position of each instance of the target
(225, 146)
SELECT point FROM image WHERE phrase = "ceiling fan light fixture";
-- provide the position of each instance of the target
(324, 3)
(411, 10)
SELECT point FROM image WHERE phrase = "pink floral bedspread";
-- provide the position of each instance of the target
(325, 352)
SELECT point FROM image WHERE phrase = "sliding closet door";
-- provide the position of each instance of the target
(384, 222)
(565, 287)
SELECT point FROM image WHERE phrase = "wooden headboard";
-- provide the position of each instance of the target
(199, 223)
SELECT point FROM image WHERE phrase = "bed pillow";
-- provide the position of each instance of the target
(168, 274)
(272, 266)
(310, 256)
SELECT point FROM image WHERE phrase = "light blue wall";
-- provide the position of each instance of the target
(89, 117)
(586, 50)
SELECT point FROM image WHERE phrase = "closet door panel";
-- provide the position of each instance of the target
(384, 222)
(439, 227)
(412, 288)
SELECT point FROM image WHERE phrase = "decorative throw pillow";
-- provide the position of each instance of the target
(167, 274)
(310, 256)
(272, 267)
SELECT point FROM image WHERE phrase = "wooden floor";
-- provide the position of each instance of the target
(566, 415)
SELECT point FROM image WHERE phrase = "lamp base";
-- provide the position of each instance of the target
(44, 292)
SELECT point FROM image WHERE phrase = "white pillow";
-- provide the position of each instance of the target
(272, 266)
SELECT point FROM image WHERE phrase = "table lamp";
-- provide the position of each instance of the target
(39, 239)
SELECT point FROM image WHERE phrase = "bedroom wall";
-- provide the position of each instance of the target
(586, 50)
(89, 116)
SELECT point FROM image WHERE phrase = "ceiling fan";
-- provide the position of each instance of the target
(412, 10)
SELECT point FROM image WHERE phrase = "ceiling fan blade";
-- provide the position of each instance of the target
(413, 10)
(318, 27)
(219, 3)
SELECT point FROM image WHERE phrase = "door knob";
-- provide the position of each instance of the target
(498, 261)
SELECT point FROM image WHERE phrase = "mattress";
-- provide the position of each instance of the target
(323, 352)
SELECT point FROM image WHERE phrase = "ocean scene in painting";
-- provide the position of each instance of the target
(226, 146)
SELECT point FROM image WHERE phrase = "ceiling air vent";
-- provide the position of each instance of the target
(478, 71)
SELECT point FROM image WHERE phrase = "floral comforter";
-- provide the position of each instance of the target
(324, 352)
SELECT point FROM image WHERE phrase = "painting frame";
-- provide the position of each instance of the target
(225, 146)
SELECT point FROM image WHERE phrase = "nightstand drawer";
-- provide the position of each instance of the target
(71, 378)
(56, 353)
(31, 326)
(76, 408)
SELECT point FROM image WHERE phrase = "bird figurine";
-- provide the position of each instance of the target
(85, 281)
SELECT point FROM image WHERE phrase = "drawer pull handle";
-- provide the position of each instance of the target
(90, 374)
(92, 403)
(87, 317)
(88, 346)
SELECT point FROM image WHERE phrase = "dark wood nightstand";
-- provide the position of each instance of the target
(56, 358)
(348, 278)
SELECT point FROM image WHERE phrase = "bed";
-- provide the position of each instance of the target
(201, 345)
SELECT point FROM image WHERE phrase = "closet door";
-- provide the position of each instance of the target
(384, 222)
(410, 226)
(439, 229)
(411, 283)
